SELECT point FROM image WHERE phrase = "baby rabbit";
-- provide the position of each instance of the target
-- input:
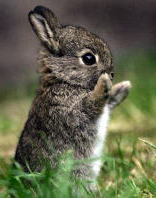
(75, 97)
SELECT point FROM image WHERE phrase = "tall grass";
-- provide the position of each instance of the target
(122, 176)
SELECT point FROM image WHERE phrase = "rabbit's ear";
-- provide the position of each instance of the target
(45, 25)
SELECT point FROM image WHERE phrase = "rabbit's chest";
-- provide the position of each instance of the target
(101, 127)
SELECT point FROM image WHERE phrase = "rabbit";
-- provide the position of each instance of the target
(75, 97)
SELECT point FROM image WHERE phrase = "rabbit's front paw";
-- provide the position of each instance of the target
(118, 93)
(102, 88)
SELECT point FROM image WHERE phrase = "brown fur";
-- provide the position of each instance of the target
(71, 95)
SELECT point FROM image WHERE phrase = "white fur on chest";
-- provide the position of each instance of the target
(101, 126)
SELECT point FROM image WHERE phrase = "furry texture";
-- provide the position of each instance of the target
(71, 95)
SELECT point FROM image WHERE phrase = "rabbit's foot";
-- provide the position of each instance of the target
(102, 88)
(118, 93)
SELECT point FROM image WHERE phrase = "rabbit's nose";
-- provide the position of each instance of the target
(111, 75)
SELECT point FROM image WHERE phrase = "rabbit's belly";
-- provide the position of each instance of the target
(101, 126)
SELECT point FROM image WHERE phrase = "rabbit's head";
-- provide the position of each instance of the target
(72, 54)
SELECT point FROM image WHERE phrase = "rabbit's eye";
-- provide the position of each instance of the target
(89, 59)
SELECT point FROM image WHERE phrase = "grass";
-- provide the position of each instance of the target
(129, 161)
(124, 174)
